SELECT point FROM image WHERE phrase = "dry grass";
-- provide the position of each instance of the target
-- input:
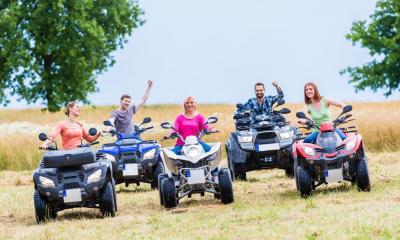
(378, 123)
(266, 207)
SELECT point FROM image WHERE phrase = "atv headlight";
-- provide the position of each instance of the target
(46, 182)
(245, 139)
(150, 154)
(94, 177)
(350, 145)
(193, 153)
(309, 151)
(286, 135)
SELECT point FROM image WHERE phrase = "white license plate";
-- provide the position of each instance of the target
(267, 147)
(72, 195)
(196, 176)
(130, 169)
(333, 175)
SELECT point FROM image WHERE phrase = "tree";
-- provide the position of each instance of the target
(381, 35)
(52, 51)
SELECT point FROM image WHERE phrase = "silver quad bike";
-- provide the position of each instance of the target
(194, 171)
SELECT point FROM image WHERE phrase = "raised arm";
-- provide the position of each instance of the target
(143, 100)
(334, 103)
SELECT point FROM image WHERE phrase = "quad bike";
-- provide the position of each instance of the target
(261, 141)
(73, 178)
(193, 172)
(134, 160)
(330, 159)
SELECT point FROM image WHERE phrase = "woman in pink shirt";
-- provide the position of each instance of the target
(190, 123)
(71, 131)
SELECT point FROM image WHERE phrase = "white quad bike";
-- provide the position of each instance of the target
(193, 172)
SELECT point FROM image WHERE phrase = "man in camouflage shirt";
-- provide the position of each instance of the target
(263, 104)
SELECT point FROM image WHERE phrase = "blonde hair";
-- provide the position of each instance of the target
(187, 100)
(69, 105)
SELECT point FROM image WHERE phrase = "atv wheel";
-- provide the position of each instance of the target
(42, 210)
(363, 183)
(304, 182)
(225, 186)
(115, 195)
(168, 193)
(160, 179)
(107, 204)
(159, 170)
(239, 171)
(289, 172)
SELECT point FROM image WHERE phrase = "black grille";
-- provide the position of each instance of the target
(71, 185)
(195, 165)
(266, 135)
(130, 157)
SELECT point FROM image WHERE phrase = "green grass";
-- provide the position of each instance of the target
(266, 207)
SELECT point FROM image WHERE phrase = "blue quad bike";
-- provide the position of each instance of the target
(133, 160)
(74, 178)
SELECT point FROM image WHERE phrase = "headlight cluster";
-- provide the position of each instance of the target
(286, 135)
(193, 153)
(212, 157)
(245, 139)
(46, 182)
(309, 150)
(150, 154)
(350, 145)
(94, 177)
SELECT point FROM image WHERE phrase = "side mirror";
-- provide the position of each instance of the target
(284, 111)
(301, 115)
(146, 120)
(92, 131)
(166, 125)
(239, 106)
(237, 116)
(347, 109)
(107, 123)
(211, 120)
(43, 137)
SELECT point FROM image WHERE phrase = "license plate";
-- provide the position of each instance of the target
(72, 195)
(130, 169)
(196, 176)
(333, 175)
(267, 147)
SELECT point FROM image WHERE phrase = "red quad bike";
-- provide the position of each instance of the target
(330, 159)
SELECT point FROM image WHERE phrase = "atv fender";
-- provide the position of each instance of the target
(234, 152)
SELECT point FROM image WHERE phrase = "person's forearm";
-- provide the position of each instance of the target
(143, 100)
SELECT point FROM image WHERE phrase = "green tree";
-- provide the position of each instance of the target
(381, 35)
(52, 50)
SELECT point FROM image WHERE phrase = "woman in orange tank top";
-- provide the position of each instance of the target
(71, 131)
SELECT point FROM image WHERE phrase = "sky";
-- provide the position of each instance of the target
(217, 50)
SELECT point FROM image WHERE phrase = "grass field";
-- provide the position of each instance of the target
(378, 123)
(266, 207)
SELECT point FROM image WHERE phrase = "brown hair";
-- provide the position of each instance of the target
(259, 84)
(317, 96)
(125, 96)
(69, 105)
(186, 100)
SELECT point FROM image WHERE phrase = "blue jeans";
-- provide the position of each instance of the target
(178, 148)
(312, 138)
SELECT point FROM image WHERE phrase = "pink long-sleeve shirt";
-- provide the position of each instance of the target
(189, 126)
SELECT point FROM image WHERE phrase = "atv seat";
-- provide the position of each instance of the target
(68, 158)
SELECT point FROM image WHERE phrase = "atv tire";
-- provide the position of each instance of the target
(225, 186)
(304, 182)
(160, 179)
(159, 170)
(168, 193)
(107, 204)
(363, 182)
(289, 172)
(239, 171)
(42, 210)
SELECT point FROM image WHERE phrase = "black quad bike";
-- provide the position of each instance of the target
(330, 159)
(134, 160)
(260, 142)
(73, 178)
